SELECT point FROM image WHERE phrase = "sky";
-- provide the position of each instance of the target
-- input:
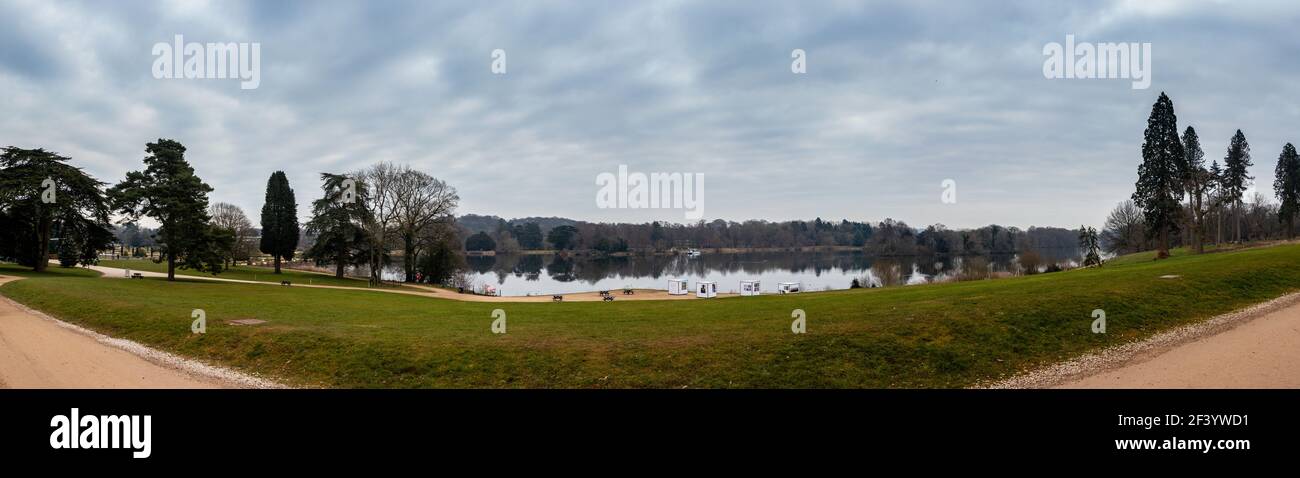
(894, 99)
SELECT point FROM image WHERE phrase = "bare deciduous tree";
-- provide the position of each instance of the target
(380, 180)
(231, 218)
(404, 207)
(420, 203)
(1125, 230)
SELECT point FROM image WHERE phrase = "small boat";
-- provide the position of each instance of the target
(692, 253)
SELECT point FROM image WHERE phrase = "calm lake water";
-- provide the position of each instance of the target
(517, 275)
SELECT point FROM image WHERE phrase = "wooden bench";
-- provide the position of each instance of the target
(137, 275)
(557, 298)
(604, 293)
(285, 283)
(608, 298)
(628, 292)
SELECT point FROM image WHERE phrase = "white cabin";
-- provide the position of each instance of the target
(750, 287)
(789, 287)
(706, 289)
(678, 287)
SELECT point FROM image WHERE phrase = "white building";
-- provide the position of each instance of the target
(750, 287)
(678, 287)
(706, 289)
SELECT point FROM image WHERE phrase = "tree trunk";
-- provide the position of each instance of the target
(43, 243)
(171, 267)
(408, 257)
(1237, 219)
(1198, 225)
(1218, 232)
(1163, 251)
(339, 264)
(374, 267)
(277, 263)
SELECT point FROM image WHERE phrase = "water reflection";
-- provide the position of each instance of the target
(547, 274)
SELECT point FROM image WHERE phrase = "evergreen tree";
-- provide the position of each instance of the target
(1091, 246)
(1235, 176)
(1216, 182)
(440, 262)
(1286, 184)
(529, 236)
(563, 237)
(169, 192)
(337, 220)
(41, 194)
(279, 220)
(1158, 188)
(480, 242)
(1196, 181)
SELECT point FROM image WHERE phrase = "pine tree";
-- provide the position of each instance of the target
(337, 220)
(1286, 184)
(1158, 187)
(279, 220)
(1216, 181)
(1196, 181)
(1235, 176)
(169, 192)
(78, 210)
(1091, 246)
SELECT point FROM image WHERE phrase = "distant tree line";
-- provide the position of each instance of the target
(888, 237)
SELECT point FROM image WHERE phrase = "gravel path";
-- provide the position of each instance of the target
(39, 351)
(1256, 347)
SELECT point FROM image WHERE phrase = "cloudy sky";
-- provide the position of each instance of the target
(897, 98)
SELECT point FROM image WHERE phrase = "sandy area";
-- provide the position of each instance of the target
(430, 291)
(37, 351)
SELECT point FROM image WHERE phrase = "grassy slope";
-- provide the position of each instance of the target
(249, 273)
(943, 335)
(1149, 256)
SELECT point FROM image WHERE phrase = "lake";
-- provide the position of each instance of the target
(517, 275)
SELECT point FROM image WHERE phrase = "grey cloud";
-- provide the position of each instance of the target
(898, 97)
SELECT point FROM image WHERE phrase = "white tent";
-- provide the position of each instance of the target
(706, 289)
(678, 287)
(789, 287)
(750, 287)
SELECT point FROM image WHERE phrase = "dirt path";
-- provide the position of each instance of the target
(37, 351)
(1258, 347)
(1261, 353)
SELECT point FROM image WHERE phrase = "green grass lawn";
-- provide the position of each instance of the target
(940, 335)
(249, 273)
(1150, 256)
